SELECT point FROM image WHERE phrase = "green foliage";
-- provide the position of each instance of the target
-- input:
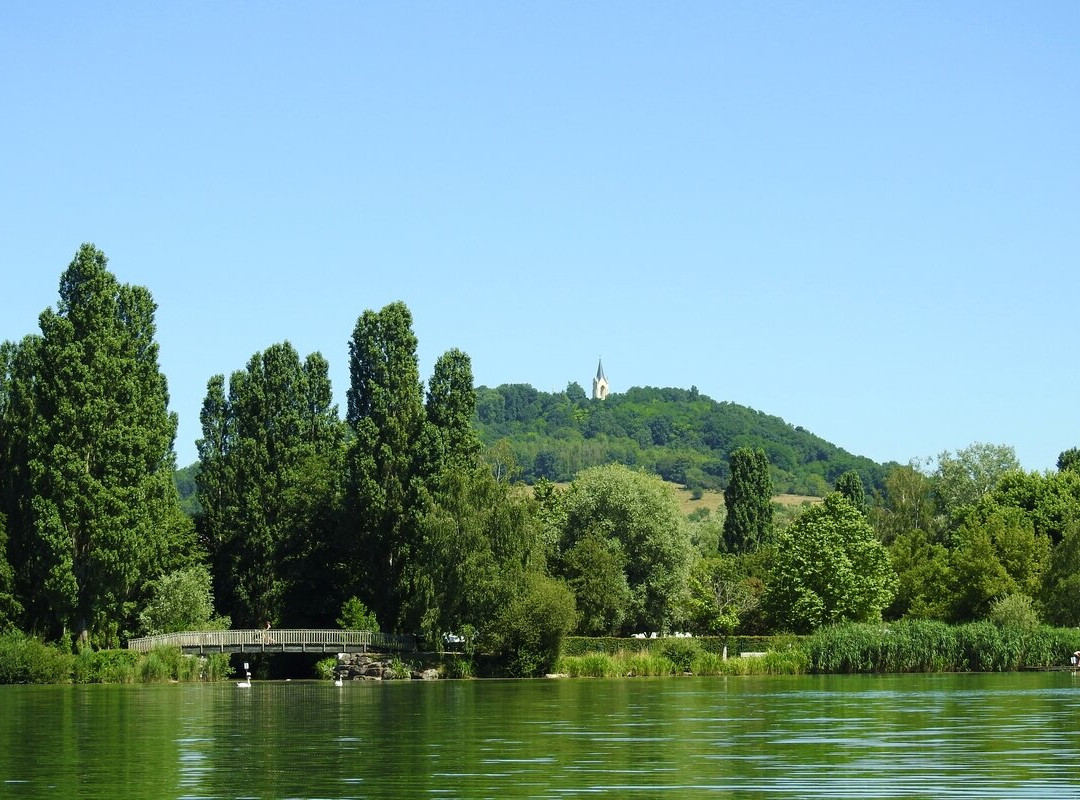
(595, 570)
(1069, 460)
(529, 630)
(1060, 591)
(929, 646)
(924, 577)
(106, 666)
(829, 568)
(399, 669)
(24, 659)
(387, 459)
(678, 434)
(625, 518)
(995, 556)
(10, 607)
(326, 668)
(458, 667)
(748, 501)
(850, 485)
(477, 538)
(720, 593)
(962, 479)
(907, 505)
(181, 601)
(269, 484)
(679, 651)
(89, 492)
(355, 616)
(1014, 611)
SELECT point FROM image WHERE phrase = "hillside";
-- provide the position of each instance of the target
(682, 435)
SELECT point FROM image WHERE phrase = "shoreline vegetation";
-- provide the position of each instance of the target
(25, 659)
(909, 646)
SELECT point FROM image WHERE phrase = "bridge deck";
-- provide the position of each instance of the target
(277, 641)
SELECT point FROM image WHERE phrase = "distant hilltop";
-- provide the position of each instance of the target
(680, 434)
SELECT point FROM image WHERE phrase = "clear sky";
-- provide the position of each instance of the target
(861, 217)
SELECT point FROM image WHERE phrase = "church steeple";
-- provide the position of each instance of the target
(599, 383)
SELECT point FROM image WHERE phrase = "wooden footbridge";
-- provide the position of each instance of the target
(277, 641)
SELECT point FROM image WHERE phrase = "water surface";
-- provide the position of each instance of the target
(1012, 735)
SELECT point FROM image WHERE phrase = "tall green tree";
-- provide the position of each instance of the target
(748, 501)
(269, 483)
(850, 485)
(907, 504)
(92, 436)
(961, 479)
(450, 408)
(387, 464)
(829, 568)
(621, 526)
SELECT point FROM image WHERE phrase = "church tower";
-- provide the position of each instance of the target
(599, 383)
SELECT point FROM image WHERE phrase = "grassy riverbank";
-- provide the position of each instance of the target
(24, 659)
(906, 646)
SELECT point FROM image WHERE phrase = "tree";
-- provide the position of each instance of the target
(850, 485)
(1060, 591)
(268, 484)
(97, 514)
(907, 505)
(477, 540)
(386, 482)
(995, 555)
(181, 601)
(10, 607)
(961, 480)
(924, 577)
(1069, 460)
(450, 408)
(829, 568)
(630, 515)
(748, 500)
(720, 595)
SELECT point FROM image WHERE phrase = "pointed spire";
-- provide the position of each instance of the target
(600, 371)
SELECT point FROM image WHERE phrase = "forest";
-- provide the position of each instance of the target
(412, 513)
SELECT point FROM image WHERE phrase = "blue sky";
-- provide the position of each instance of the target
(861, 217)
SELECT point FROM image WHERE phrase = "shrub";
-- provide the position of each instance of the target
(1014, 611)
(355, 616)
(681, 652)
(105, 666)
(326, 668)
(528, 631)
(706, 663)
(399, 669)
(24, 659)
(458, 667)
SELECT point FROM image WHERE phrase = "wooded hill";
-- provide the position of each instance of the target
(682, 435)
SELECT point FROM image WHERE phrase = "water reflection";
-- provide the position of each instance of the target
(873, 737)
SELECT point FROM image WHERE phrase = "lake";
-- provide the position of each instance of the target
(1001, 735)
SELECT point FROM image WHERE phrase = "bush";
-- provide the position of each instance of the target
(326, 668)
(681, 652)
(458, 667)
(1014, 611)
(24, 659)
(355, 616)
(528, 631)
(105, 666)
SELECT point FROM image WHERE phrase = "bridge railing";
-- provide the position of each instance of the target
(285, 637)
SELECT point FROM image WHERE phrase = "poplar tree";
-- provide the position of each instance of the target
(266, 481)
(450, 408)
(386, 465)
(748, 501)
(93, 509)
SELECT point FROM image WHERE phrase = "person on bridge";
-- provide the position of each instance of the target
(266, 635)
